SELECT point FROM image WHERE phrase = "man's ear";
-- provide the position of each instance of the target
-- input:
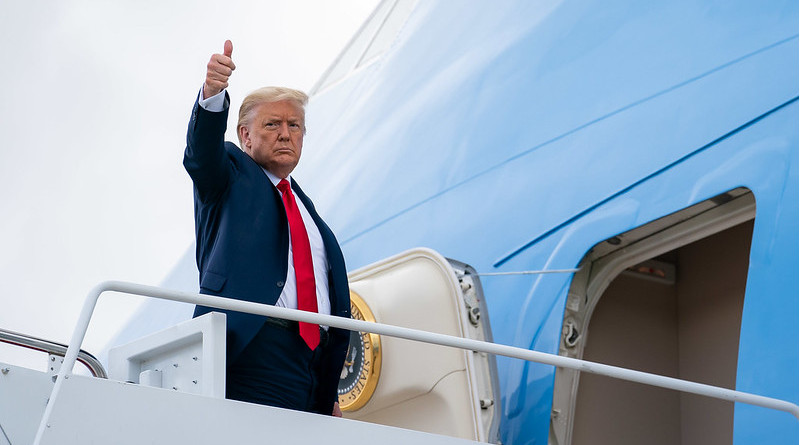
(244, 136)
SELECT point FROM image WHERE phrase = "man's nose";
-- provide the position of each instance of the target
(283, 131)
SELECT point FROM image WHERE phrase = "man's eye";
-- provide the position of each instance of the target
(270, 125)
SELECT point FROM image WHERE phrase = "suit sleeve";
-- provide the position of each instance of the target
(205, 158)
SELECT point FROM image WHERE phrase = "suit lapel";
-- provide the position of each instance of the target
(323, 228)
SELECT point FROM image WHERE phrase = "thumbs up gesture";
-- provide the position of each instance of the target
(220, 68)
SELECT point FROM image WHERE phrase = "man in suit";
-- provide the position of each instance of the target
(260, 239)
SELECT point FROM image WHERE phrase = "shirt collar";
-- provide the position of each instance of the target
(274, 179)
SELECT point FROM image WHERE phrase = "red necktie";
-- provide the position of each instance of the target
(303, 265)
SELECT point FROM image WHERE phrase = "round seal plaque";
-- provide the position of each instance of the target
(362, 365)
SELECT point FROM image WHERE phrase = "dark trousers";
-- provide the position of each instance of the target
(277, 369)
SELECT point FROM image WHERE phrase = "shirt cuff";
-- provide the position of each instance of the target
(215, 103)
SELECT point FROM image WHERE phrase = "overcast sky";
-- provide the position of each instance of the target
(96, 99)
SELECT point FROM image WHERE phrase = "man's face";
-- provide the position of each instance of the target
(274, 137)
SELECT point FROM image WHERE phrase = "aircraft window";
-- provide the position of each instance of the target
(664, 298)
(374, 37)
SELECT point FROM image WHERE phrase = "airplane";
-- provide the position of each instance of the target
(614, 182)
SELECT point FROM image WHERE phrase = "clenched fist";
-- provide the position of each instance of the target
(219, 71)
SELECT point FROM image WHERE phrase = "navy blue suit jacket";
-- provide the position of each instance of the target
(243, 239)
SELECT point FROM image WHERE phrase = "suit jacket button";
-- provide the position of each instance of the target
(279, 283)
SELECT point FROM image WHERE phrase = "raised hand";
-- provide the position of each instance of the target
(220, 68)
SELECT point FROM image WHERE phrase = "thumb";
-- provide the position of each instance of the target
(228, 48)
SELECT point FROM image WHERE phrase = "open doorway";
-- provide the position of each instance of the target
(664, 298)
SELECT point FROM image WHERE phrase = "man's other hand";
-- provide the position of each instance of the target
(337, 412)
(219, 71)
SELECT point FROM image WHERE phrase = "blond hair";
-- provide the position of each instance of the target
(269, 95)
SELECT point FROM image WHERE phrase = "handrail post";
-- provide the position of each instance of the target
(72, 354)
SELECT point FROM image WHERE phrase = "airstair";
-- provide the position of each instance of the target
(169, 387)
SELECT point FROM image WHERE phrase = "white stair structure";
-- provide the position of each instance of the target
(99, 411)
(149, 405)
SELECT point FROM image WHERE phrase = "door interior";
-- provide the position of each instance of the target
(414, 385)
(664, 298)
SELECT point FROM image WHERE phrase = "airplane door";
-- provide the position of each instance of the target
(415, 385)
